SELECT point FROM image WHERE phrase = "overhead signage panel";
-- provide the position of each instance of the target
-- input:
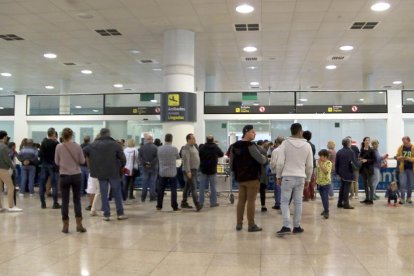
(178, 107)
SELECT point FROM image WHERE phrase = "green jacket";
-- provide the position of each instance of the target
(5, 161)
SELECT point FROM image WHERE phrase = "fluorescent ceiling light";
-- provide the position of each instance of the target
(245, 8)
(1, 88)
(95, 110)
(380, 6)
(250, 49)
(346, 48)
(118, 85)
(5, 74)
(153, 101)
(156, 69)
(396, 82)
(49, 87)
(86, 72)
(50, 55)
(78, 106)
(254, 83)
(252, 67)
(361, 100)
(303, 100)
(1, 107)
(330, 67)
(381, 92)
(135, 52)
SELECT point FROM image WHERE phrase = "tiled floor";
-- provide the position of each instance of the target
(370, 240)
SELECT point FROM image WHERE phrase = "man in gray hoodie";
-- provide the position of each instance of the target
(293, 171)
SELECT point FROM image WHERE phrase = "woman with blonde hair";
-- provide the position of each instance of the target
(131, 170)
(377, 166)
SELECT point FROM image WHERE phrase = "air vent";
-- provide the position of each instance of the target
(251, 59)
(147, 61)
(254, 87)
(11, 37)
(69, 63)
(108, 32)
(337, 58)
(364, 25)
(313, 87)
(246, 27)
(387, 86)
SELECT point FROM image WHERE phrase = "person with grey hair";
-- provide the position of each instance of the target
(345, 163)
(148, 158)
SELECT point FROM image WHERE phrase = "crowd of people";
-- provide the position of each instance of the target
(107, 169)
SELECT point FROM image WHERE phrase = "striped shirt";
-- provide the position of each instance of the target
(167, 156)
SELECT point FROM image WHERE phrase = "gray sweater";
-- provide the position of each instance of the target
(5, 161)
(191, 158)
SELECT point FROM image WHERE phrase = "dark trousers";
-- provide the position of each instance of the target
(394, 197)
(84, 179)
(263, 193)
(369, 189)
(190, 186)
(343, 198)
(163, 182)
(324, 192)
(128, 184)
(66, 182)
(46, 172)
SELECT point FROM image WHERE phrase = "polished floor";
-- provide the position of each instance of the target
(370, 240)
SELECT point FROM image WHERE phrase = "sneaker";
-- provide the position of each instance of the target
(326, 215)
(264, 209)
(159, 208)
(21, 194)
(369, 202)
(284, 231)
(93, 214)
(199, 207)
(409, 201)
(340, 205)
(239, 227)
(323, 212)
(276, 207)
(122, 217)
(43, 205)
(15, 209)
(297, 230)
(106, 218)
(349, 207)
(214, 205)
(56, 205)
(176, 209)
(88, 208)
(364, 201)
(401, 202)
(254, 228)
(186, 206)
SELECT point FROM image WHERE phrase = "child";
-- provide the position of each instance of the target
(323, 179)
(393, 193)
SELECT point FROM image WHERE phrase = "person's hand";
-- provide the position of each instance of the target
(279, 181)
(188, 175)
(400, 158)
(386, 156)
(364, 160)
(26, 162)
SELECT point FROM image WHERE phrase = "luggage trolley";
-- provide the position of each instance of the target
(224, 175)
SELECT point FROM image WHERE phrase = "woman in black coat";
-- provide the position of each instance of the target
(367, 157)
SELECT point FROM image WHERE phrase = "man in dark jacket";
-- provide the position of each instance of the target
(345, 163)
(29, 158)
(106, 158)
(148, 158)
(49, 168)
(209, 154)
(245, 162)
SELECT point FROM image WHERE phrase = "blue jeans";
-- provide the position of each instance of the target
(149, 179)
(84, 179)
(376, 178)
(28, 174)
(406, 183)
(205, 179)
(164, 181)
(333, 179)
(46, 171)
(277, 192)
(116, 193)
(324, 192)
(292, 186)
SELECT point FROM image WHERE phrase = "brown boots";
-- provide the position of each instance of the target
(65, 226)
(79, 226)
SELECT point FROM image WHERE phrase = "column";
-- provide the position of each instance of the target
(21, 128)
(395, 123)
(64, 101)
(179, 77)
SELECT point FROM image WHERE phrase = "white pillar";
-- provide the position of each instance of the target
(21, 127)
(395, 123)
(64, 101)
(179, 77)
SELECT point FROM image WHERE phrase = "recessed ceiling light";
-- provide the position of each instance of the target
(86, 72)
(346, 48)
(254, 83)
(118, 85)
(299, 104)
(49, 87)
(50, 55)
(1, 88)
(85, 15)
(380, 6)
(330, 67)
(95, 110)
(245, 8)
(303, 100)
(252, 67)
(5, 74)
(153, 101)
(361, 100)
(156, 69)
(250, 49)
(135, 52)
(396, 82)
(381, 92)
(78, 106)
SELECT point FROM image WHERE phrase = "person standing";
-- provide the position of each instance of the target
(332, 157)
(167, 157)
(378, 161)
(49, 168)
(345, 164)
(405, 157)
(309, 191)
(323, 179)
(69, 157)
(132, 172)
(85, 170)
(294, 170)
(355, 183)
(245, 163)
(6, 166)
(148, 158)
(29, 157)
(263, 175)
(367, 158)
(191, 163)
(209, 155)
(106, 158)
(273, 161)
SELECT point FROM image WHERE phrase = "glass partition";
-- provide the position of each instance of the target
(8, 126)
(133, 104)
(408, 101)
(65, 105)
(6, 105)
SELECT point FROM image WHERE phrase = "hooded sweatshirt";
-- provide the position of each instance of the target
(295, 158)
